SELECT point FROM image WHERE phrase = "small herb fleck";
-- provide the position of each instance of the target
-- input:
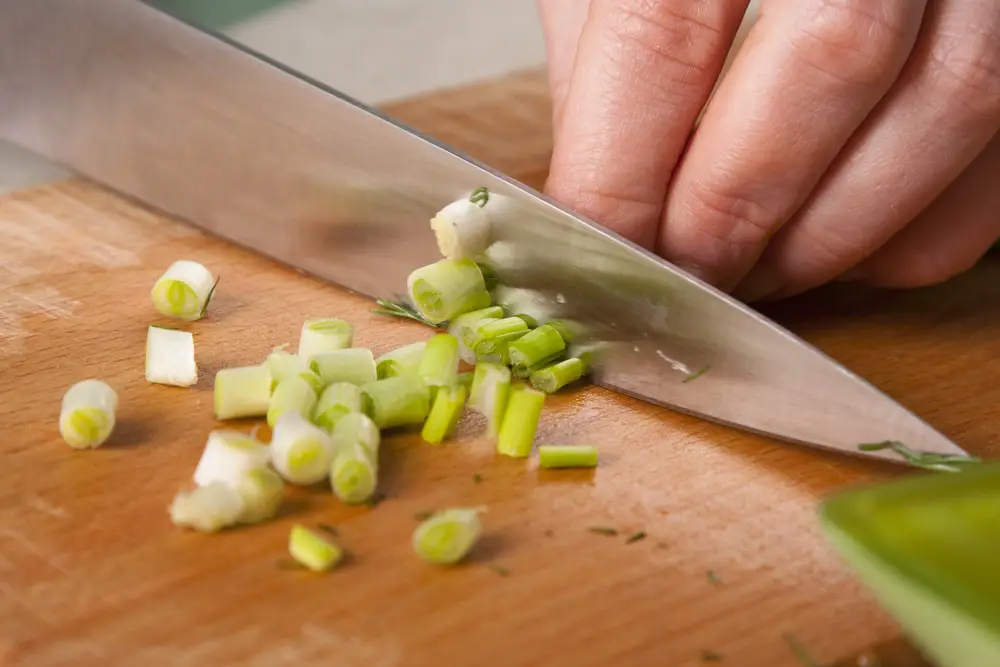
(208, 298)
(635, 537)
(288, 564)
(328, 529)
(925, 460)
(480, 196)
(477, 478)
(713, 577)
(375, 500)
(800, 652)
(604, 530)
(711, 656)
(499, 569)
(697, 374)
(424, 515)
(402, 310)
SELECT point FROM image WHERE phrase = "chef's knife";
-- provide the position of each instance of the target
(202, 128)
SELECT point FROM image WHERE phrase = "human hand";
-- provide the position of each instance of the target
(849, 139)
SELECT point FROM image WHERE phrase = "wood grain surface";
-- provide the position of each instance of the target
(93, 573)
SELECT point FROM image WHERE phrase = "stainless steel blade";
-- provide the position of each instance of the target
(203, 129)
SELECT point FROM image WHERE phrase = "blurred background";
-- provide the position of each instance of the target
(373, 50)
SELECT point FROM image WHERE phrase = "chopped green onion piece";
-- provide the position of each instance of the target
(207, 508)
(314, 551)
(244, 391)
(293, 394)
(520, 421)
(464, 379)
(281, 364)
(183, 291)
(925, 460)
(462, 229)
(567, 456)
(492, 352)
(570, 330)
(397, 401)
(87, 415)
(324, 335)
(445, 413)
(357, 428)
(439, 365)
(506, 328)
(447, 536)
(402, 360)
(447, 289)
(337, 400)
(464, 328)
(227, 456)
(480, 197)
(636, 537)
(554, 377)
(490, 393)
(261, 490)
(354, 474)
(604, 530)
(301, 452)
(525, 372)
(170, 357)
(355, 365)
(536, 346)
(696, 374)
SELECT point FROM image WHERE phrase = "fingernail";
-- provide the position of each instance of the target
(851, 275)
(759, 284)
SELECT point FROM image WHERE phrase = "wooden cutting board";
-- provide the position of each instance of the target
(93, 573)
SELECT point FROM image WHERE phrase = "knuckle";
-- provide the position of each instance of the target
(729, 219)
(855, 43)
(968, 72)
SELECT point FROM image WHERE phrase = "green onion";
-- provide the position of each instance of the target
(354, 474)
(170, 357)
(293, 394)
(447, 289)
(604, 530)
(87, 416)
(244, 391)
(261, 490)
(520, 421)
(314, 551)
(402, 360)
(695, 375)
(337, 400)
(439, 365)
(554, 377)
(567, 456)
(447, 536)
(536, 346)
(301, 452)
(490, 393)
(525, 372)
(324, 335)
(462, 230)
(401, 310)
(925, 460)
(444, 414)
(355, 365)
(497, 329)
(281, 364)
(183, 291)
(464, 328)
(480, 197)
(636, 537)
(396, 401)
(357, 428)
(464, 379)
(207, 508)
(227, 456)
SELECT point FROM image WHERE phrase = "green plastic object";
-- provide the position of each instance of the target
(217, 14)
(928, 548)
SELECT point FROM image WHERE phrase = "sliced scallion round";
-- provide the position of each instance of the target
(567, 456)
(447, 289)
(337, 400)
(447, 536)
(243, 391)
(464, 328)
(357, 428)
(87, 416)
(520, 421)
(397, 401)
(355, 365)
(301, 452)
(170, 357)
(462, 229)
(444, 414)
(183, 291)
(316, 552)
(227, 456)
(207, 508)
(324, 335)
(261, 490)
(281, 364)
(402, 360)
(354, 474)
(293, 394)
(554, 377)
(490, 393)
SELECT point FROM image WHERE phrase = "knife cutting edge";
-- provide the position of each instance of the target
(201, 128)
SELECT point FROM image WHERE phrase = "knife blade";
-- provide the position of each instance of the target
(206, 130)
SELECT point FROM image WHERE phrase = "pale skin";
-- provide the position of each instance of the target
(849, 140)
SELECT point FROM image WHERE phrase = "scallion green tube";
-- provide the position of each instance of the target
(520, 421)
(447, 536)
(325, 334)
(439, 365)
(447, 289)
(87, 416)
(337, 400)
(293, 394)
(490, 393)
(402, 360)
(244, 391)
(567, 456)
(464, 328)
(445, 413)
(554, 377)
(536, 346)
(354, 474)
(355, 365)
(464, 379)
(397, 401)
(357, 428)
